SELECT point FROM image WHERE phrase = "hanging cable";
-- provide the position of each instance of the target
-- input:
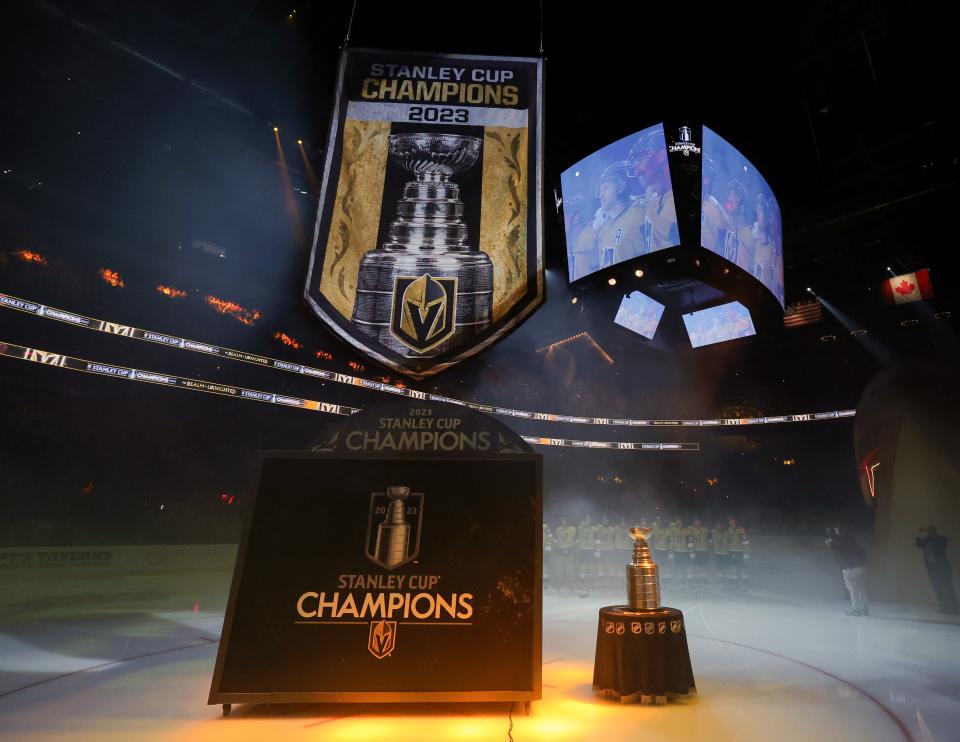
(346, 39)
(541, 28)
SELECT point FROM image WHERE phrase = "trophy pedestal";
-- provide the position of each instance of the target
(642, 650)
(379, 270)
(642, 656)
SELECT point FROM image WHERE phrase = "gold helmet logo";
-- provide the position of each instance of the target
(383, 638)
(424, 311)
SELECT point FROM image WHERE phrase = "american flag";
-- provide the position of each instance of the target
(803, 313)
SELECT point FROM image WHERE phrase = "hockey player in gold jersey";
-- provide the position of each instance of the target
(616, 233)
(717, 230)
(564, 573)
(660, 540)
(721, 554)
(547, 556)
(680, 553)
(698, 538)
(604, 537)
(756, 243)
(739, 546)
(647, 162)
(586, 555)
(740, 250)
(622, 549)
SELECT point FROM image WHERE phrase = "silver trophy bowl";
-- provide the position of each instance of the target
(429, 156)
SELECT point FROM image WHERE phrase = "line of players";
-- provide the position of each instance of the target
(592, 556)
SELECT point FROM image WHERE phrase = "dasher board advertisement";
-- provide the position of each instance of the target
(428, 245)
(368, 578)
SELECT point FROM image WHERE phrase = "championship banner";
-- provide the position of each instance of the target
(428, 245)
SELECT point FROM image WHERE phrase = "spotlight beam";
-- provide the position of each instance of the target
(289, 202)
(880, 352)
(311, 176)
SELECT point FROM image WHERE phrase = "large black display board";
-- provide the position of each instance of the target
(388, 576)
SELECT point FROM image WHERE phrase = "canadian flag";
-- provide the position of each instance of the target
(908, 287)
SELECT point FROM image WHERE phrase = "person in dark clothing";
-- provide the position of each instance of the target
(852, 560)
(938, 568)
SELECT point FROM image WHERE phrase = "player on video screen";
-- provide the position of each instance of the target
(735, 322)
(735, 206)
(758, 243)
(647, 162)
(717, 229)
(647, 321)
(616, 233)
(776, 279)
(639, 314)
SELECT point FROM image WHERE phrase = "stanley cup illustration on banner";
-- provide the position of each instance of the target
(428, 243)
(427, 266)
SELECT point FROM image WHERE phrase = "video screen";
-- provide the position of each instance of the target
(618, 203)
(640, 314)
(718, 324)
(739, 216)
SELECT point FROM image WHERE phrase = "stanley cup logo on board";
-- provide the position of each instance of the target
(393, 534)
(393, 529)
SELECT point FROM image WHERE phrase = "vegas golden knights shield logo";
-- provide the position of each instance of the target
(382, 639)
(393, 529)
(424, 311)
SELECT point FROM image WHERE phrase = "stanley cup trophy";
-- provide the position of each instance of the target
(642, 652)
(426, 288)
(393, 535)
(643, 575)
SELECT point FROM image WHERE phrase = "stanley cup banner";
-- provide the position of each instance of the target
(428, 244)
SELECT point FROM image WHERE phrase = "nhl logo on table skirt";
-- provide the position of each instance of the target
(428, 240)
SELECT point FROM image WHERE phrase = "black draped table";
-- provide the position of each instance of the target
(642, 655)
